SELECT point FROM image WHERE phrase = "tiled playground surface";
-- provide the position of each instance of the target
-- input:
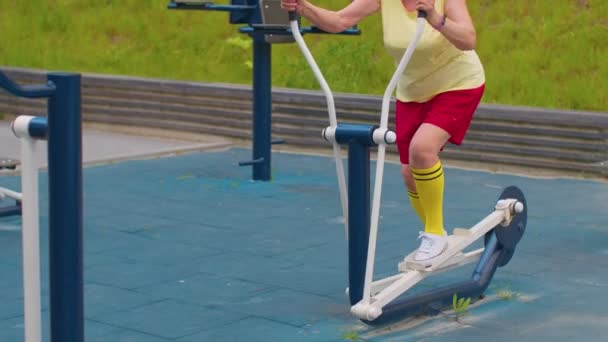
(187, 248)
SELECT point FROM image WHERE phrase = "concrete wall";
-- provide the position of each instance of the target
(572, 141)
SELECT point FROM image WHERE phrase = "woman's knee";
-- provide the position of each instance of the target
(422, 153)
(426, 144)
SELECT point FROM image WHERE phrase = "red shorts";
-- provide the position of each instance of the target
(451, 111)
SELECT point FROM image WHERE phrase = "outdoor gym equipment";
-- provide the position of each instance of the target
(7, 194)
(381, 301)
(62, 129)
(266, 24)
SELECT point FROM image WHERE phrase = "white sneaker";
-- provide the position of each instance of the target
(431, 245)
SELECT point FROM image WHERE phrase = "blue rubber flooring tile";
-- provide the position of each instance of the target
(95, 331)
(11, 280)
(146, 251)
(258, 329)
(281, 242)
(127, 336)
(132, 275)
(12, 330)
(124, 335)
(10, 227)
(11, 307)
(307, 278)
(131, 222)
(290, 307)
(101, 299)
(207, 289)
(97, 239)
(171, 319)
(527, 264)
(11, 303)
(241, 266)
(571, 273)
(529, 322)
(10, 245)
(91, 260)
(331, 255)
(337, 327)
(430, 329)
(217, 238)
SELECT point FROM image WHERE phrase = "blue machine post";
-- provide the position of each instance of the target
(358, 217)
(359, 140)
(262, 102)
(65, 197)
(65, 209)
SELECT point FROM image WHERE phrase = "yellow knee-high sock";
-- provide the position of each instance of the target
(417, 205)
(429, 184)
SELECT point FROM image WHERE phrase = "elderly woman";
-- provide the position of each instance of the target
(436, 96)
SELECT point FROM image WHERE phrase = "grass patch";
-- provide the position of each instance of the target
(506, 294)
(536, 53)
(351, 336)
(460, 306)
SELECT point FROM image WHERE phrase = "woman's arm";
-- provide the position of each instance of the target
(458, 27)
(333, 21)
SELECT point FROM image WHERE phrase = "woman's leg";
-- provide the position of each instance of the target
(410, 184)
(408, 118)
(447, 119)
(428, 174)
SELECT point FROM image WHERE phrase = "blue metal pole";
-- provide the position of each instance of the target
(262, 101)
(11, 210)
(358, 217)
(65, 209)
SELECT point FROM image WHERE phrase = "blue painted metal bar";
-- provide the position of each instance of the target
(303, 30)
(29, 91)
(354, 31)
(358, 217)
(38, 128)
(359, 140)
(262, 104)
(362, 134)
(65, 209)
(12, 210)
(251, 162)
(209, 6)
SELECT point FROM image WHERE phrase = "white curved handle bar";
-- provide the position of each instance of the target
(333, 122)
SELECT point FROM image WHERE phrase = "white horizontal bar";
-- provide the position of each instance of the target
(10, 193)
(381, 284)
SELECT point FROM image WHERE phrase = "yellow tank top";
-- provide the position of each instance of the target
(436, 66)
